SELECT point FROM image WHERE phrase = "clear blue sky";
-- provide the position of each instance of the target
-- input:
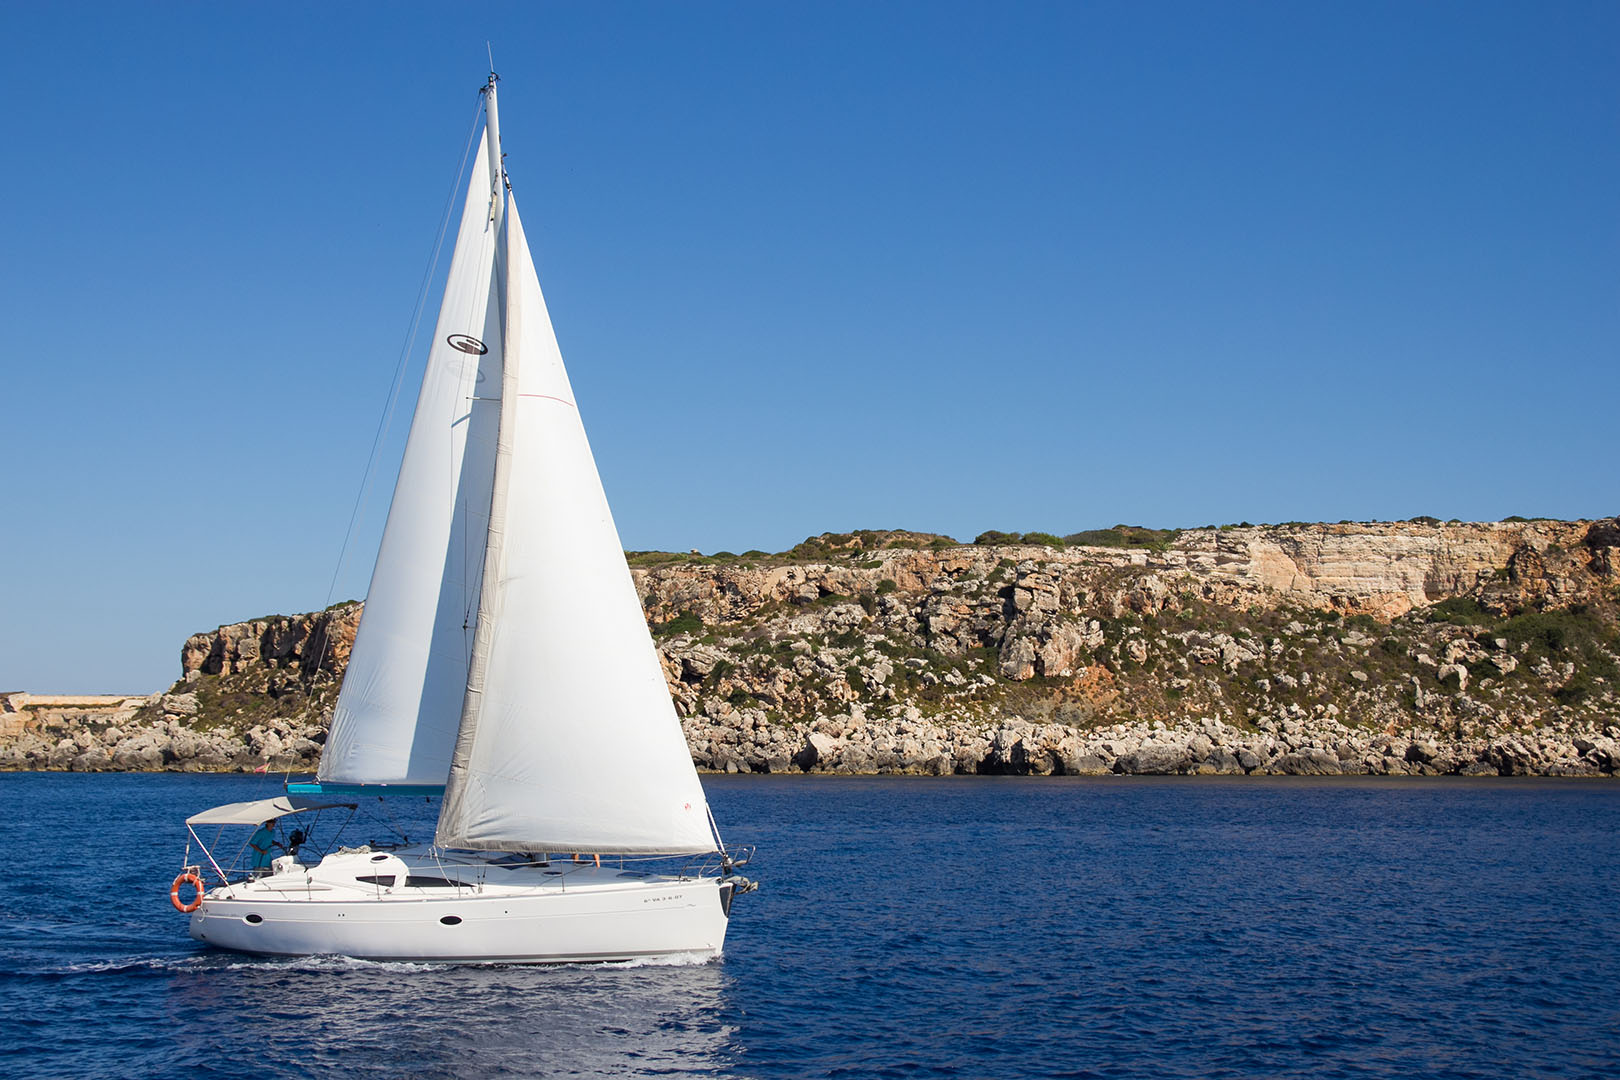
(814, 266)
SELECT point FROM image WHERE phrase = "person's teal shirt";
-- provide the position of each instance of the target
(259, 846)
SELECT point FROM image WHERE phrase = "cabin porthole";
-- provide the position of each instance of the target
(378, 858)
(451, 920)
(254, 919)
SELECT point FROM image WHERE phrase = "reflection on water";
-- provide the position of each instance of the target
(388, 1019)
(215, 1014)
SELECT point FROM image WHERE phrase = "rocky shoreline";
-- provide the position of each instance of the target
(1414, 648)
(1202, 747)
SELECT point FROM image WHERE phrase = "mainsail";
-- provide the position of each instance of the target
(397, 713)
(568, 740)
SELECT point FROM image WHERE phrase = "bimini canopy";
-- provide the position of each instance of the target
(253, 813)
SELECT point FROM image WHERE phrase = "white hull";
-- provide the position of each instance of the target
(566, 913)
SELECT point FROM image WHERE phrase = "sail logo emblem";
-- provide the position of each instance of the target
(467, 344)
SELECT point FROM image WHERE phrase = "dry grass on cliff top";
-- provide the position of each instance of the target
(830, 545)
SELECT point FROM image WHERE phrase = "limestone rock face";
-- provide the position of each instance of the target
(1386, 649)
(1309, 762)
(321, 641)
(180, 704)
(1155, 759)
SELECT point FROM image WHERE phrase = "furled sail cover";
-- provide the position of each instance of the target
(400, 705)
(569, 740)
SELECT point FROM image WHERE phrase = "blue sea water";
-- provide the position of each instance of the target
(972, 927)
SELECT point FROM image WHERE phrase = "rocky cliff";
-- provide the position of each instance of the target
(251, 695)
(1415, 647)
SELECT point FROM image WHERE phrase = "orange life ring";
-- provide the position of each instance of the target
(174, 892)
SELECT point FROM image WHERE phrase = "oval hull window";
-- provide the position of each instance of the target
(254, 919)
(451, 920)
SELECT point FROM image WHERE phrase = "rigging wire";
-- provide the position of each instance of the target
(390, 822)
(405, 351)
(404, 356)
(714, 827)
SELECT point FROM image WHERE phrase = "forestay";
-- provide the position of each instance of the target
(397, 713)
(569, 740)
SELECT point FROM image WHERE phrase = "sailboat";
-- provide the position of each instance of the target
(502, 662)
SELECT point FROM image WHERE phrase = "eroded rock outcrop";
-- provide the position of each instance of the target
(251, 695)
(1404, 648)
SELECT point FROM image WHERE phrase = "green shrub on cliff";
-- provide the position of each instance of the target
(683, 623)
(1577, 635)
(653, 558)
(1459, 611)
(811, 548)
(995, 536)
(1043, 538)
(1125, 536)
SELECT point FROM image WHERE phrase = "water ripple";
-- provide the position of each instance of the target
(1105, 928)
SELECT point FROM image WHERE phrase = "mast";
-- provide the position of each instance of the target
(489, 599)
(492, 142)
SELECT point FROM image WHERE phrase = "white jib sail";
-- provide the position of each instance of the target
(569, 740)
(400, 705)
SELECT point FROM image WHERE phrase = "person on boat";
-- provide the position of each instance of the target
(260, 845)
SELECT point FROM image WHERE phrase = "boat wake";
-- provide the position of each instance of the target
(211, 961)
(117, 967)
(685, 959)
(327, 964)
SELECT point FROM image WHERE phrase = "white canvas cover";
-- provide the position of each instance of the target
(400, 704)
(569, 740)
(259, 811)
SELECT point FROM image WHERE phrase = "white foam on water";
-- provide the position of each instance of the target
(332, 964)
(686, 959)
(328, 963)
(132, 963)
